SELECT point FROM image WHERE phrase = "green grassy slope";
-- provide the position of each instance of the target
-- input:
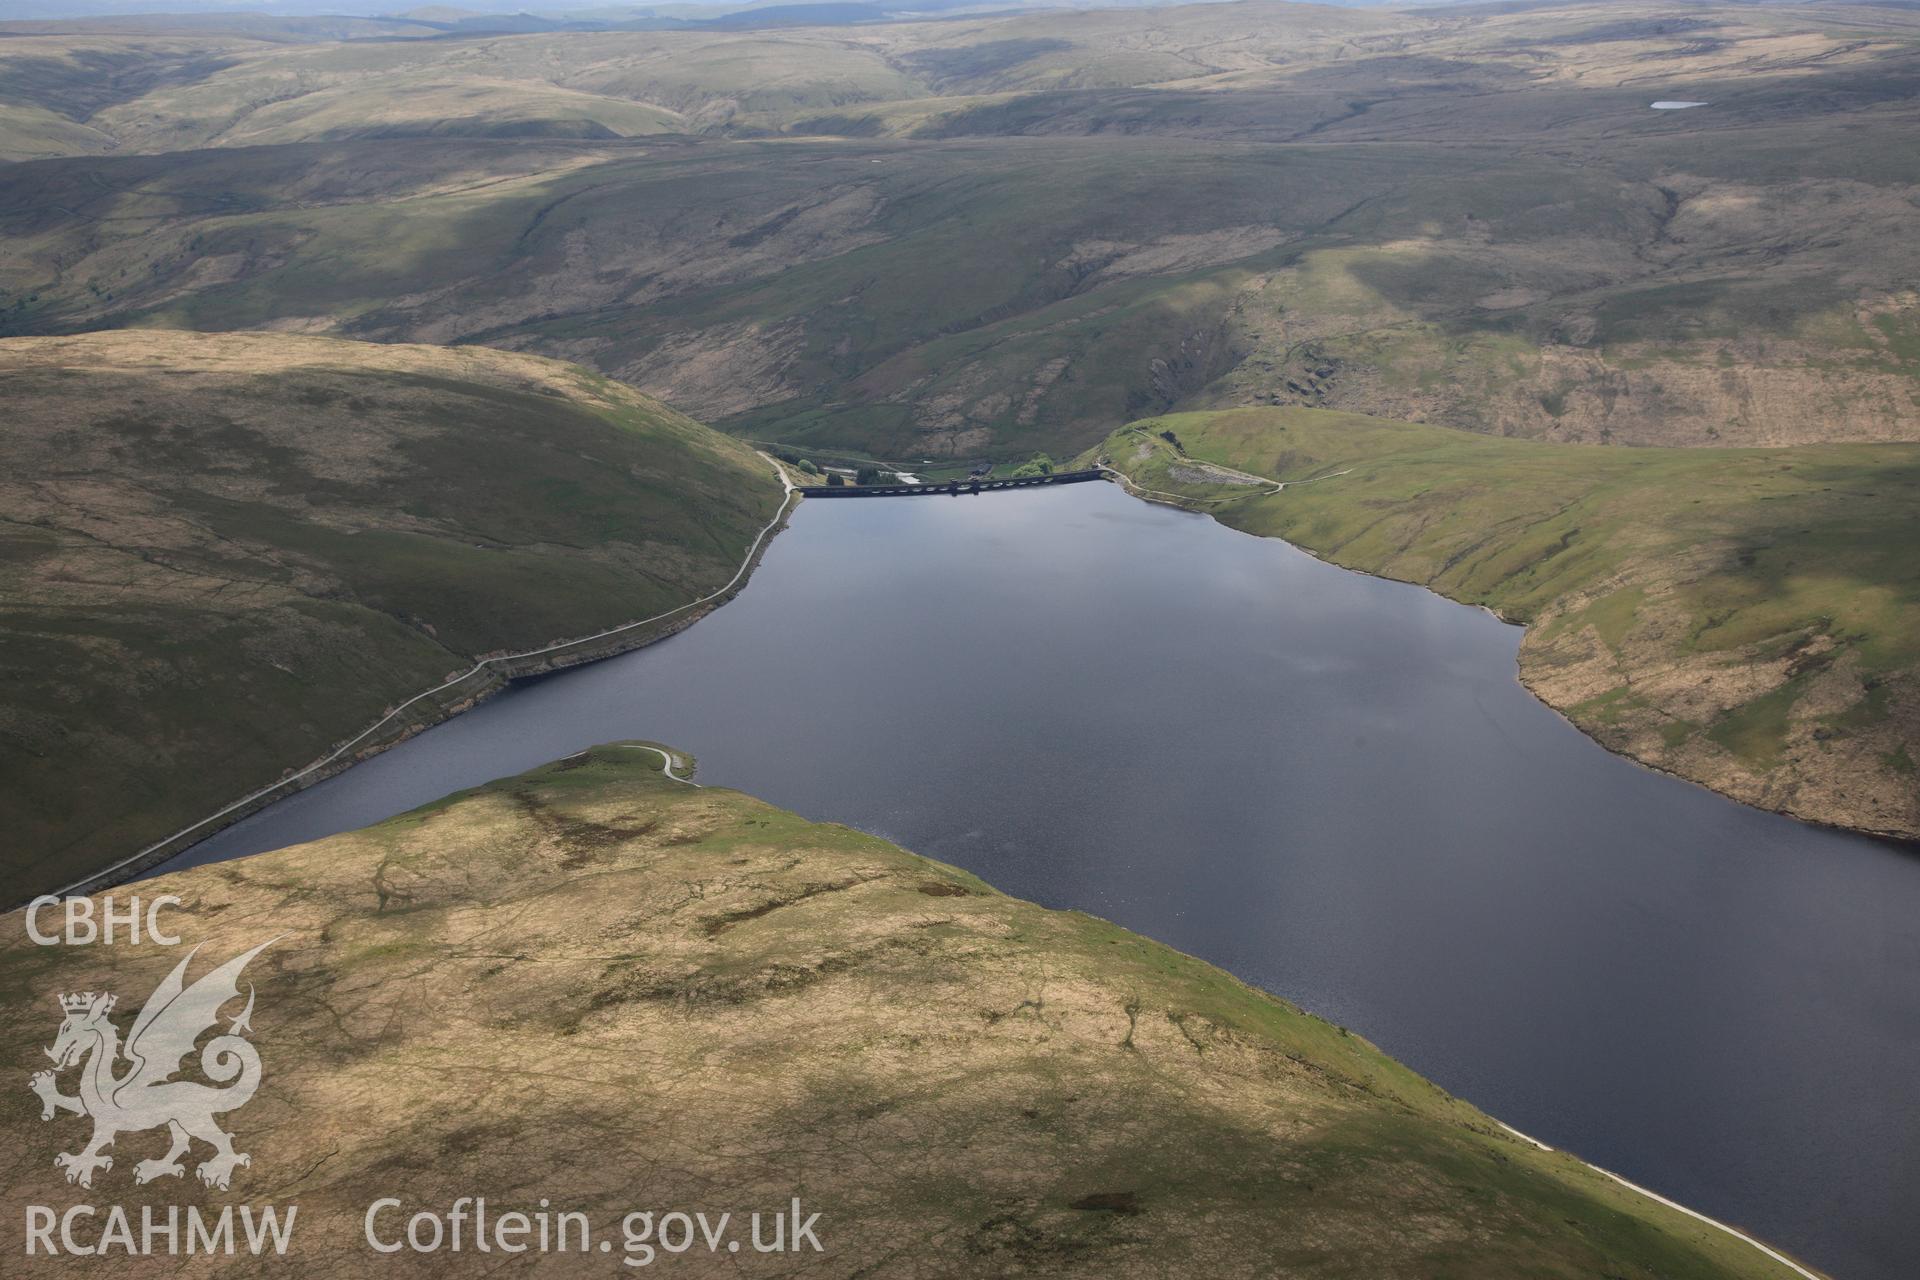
(727, 1006)
(222, 554)
(1748, 618)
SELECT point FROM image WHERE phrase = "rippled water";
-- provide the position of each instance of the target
(1329, 784)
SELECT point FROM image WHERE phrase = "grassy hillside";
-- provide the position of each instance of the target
(1748, 618)
(1008, 233)
(723, 1006)
(222, 554)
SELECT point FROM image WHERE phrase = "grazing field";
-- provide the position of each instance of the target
(223, 554)
(1747, 618)
(728, 1006)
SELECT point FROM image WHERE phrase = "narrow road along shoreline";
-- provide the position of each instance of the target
(146, 857)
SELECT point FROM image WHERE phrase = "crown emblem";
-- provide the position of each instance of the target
(143, 1094)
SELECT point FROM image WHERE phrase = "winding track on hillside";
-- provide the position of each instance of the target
(106, 876)
(666, 760)
(1188, 500)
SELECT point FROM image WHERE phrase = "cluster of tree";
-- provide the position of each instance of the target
(1038, 465)
(793, 458)
(866, 473)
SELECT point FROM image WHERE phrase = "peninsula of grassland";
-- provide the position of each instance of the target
(221, 555)
(1746, 618)
(595, 988)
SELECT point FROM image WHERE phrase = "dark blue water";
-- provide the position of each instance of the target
(1329, 784)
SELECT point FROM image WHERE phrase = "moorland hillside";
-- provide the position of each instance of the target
(225, 554)
(990, 235)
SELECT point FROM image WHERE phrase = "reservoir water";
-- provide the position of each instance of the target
(1329, 784)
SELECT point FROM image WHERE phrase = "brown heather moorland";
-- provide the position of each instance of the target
(1002, 233)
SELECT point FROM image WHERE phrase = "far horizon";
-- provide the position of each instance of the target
(56, 10)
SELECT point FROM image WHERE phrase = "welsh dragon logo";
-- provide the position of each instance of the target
(144, 1095)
